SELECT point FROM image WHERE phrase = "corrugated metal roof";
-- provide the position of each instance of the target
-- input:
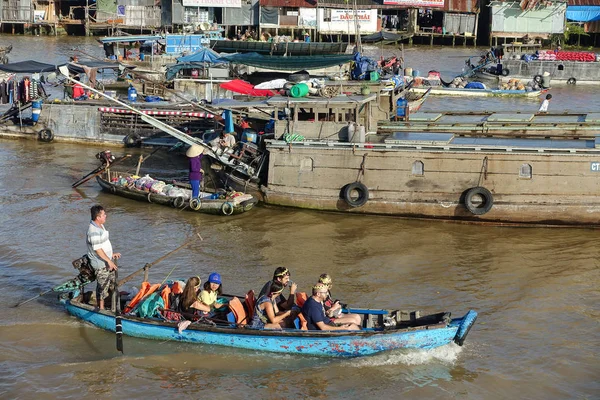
(289, 3)
(471, 6)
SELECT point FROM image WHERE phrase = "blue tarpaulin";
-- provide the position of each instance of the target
(204, 55)
(583, 13)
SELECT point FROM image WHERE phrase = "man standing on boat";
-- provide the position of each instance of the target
(100, 253)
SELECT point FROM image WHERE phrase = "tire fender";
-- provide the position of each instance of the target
(46, 135)
(178, 202)
(227, 208)
(537, 79)
(131, 140)
(505, 71)
(360, 189)
(486, 204)
(571, 81)
(195, 204)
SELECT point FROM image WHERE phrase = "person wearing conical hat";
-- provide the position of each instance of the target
(194, 154)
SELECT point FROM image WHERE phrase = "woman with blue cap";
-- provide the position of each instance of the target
(208, 296)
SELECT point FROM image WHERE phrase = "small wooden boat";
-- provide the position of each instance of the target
(384, 331)
(225, 204)
(462, 92)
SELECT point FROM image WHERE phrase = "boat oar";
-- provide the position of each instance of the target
(117, 305)
(150, 265)
(97, 171)
(33, 298)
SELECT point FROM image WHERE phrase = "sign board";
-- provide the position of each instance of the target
(307, 17)
(595, 166)
(213, 3)
(416, 3)
(346, 21)
(179, 44)
(350, 15)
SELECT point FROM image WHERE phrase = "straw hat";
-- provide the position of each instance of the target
(195, 150)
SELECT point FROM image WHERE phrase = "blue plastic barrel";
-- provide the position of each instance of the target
(228, 117)
(131, 93)
(401, 107)
(36, 109)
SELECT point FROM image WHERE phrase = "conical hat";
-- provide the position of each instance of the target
(194, 150)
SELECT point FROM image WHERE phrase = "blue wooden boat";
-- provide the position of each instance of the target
(417, 333)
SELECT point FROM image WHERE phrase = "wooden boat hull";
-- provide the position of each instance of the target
(443, 91)
(561, 72)
(278, 49)
(560, 190)
(329, 344)
(216, 207)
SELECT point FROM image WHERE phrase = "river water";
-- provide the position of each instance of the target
(536, 290)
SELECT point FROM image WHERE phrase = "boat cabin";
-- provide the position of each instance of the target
(320, 118)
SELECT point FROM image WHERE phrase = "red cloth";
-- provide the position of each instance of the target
(243, 87)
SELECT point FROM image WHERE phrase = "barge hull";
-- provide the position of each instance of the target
(561, 190)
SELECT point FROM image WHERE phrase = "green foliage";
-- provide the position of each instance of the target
(574, 29)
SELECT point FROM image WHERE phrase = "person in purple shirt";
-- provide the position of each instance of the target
(194, 153)
(314, 313)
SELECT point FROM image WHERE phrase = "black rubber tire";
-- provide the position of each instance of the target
(113, 189)
(4, 60)
(505, 71)
(361, 189)
(178, 202)
(227, 208)
(288, 86)
(46, 135)
(195, 204)
(485, 206)
(537, 79)
(131, 140)
(299, 77)
(571, 81)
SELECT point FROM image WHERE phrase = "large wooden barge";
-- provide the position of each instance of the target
(506, 178)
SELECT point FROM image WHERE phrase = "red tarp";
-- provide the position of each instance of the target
(243, 87)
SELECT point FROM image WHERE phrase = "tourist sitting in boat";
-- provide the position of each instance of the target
(315, 314)
(281, 275)
(208, 298)
(333, 308)
(189, 298)
(267, 314)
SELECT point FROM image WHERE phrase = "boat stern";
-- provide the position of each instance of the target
(464, 326)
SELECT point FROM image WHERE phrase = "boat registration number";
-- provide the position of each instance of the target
(595, 166)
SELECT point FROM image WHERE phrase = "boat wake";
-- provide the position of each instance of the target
(444, 354)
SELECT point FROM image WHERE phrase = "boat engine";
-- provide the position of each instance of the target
(105, 157)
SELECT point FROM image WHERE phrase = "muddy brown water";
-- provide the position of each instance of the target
(536, 290)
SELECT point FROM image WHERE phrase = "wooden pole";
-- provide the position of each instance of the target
(146, 267)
